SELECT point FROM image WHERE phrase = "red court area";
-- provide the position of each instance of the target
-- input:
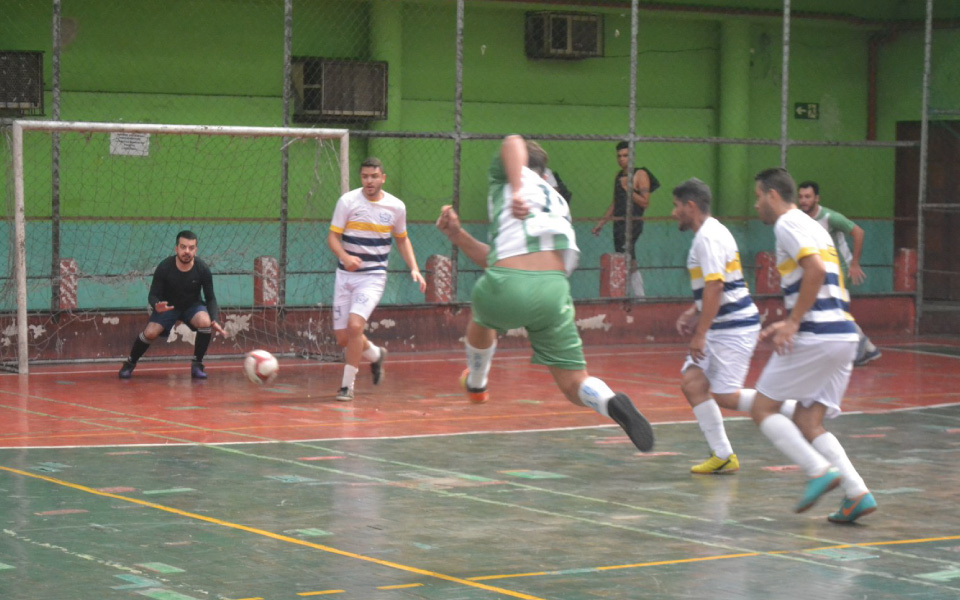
(87, 405)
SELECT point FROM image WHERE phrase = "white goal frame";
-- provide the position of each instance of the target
(20, 231)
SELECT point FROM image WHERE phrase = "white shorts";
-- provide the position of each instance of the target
(357, 293)
(727, 359)
(814, 371)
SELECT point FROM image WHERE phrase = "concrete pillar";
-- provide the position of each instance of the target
(905, 270)
(439, 279)
(265, 281)
(386, 43)
(68, 284)
(733, 195)
(613, 275)
(768, 277)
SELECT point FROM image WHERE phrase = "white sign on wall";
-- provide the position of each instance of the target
(130, 144)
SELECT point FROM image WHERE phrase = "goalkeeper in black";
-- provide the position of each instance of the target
(175, 295)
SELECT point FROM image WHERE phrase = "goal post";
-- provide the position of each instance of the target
(92, 220)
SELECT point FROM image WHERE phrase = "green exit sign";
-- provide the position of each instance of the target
(806, 110)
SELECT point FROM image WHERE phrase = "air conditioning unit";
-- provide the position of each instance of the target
(327, 89)
(21, 83)
(564, 35)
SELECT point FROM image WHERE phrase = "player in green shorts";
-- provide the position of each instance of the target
(532, 250)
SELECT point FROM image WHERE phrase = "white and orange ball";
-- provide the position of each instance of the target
(260, 366)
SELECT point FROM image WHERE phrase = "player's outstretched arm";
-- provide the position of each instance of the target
(857, 276)
(405, 247)
(449, 224)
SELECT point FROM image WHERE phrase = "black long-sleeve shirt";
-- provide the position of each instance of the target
(181, 289)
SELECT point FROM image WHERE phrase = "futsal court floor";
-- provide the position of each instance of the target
(172, 489)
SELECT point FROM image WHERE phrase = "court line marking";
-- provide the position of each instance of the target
(475, 581)
(276, 536)
(311, 466)
(657, 534)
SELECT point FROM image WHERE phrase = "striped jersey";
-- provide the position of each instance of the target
(367, 228)
(714, 257)
(836, 225)
(547, 227)
(799, 236)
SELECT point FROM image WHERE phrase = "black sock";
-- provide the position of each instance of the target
(201, 344)
(140, 345)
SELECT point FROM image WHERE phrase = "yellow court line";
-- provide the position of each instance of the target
(323, 593)
(276, 536)
(402, 586)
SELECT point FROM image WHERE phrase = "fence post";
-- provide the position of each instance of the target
(905, 270)
(613, 275)
(768, 278)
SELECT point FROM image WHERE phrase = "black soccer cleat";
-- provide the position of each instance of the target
(376, 368)
(126, 371)
(636, 426)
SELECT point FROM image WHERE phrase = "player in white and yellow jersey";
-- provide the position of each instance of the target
(815, 346)
(365, 222)
(532, 248)
(724, 323)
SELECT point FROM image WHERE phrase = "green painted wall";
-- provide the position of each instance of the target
(219, 62)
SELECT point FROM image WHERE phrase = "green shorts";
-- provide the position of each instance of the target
(538, 301)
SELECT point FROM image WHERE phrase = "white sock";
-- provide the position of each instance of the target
(787, 408)
(829, 446)
(745, 403)
(372, 353)
(349, 376)
(596, 394)
(788, 439)
(711, 424)
(478, 362)
(747, 396)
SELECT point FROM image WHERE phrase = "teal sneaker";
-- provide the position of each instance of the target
(816, 487)
(852, 509)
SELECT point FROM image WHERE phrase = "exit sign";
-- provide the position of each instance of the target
(806, 110)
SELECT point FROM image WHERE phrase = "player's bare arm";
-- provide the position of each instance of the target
(449, 223)
(687, 321)
(857, 276)
(405, 247)
(641, 189)
(710, 301)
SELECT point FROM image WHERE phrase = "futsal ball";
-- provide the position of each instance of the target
(260, 366)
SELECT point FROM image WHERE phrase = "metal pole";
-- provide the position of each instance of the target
(285, 154)
(785, 86)
(55, 167)
(632, 125)
(20, 249)
(924, 141)
(457, 142)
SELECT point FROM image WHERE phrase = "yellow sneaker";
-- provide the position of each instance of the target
(717, 465)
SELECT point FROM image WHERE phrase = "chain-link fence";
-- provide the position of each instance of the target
(717, 92)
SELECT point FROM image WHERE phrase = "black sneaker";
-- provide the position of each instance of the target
(376, 368)
(626, 415)
(126, 371)
(196, 370)
(345, 394)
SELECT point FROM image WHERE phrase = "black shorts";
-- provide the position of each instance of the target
(620, 236)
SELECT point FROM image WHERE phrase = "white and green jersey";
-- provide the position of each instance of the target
(838, 226)
(547, 227)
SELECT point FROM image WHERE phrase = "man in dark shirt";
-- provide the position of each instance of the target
(175, 296)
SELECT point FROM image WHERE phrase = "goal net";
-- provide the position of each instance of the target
(92, 209)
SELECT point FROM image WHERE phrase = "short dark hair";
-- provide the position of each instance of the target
(187, 235)
(780, 180)
(536, 157)
(810, 184)
(372, 162)
(622, 145)
(696, 191)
